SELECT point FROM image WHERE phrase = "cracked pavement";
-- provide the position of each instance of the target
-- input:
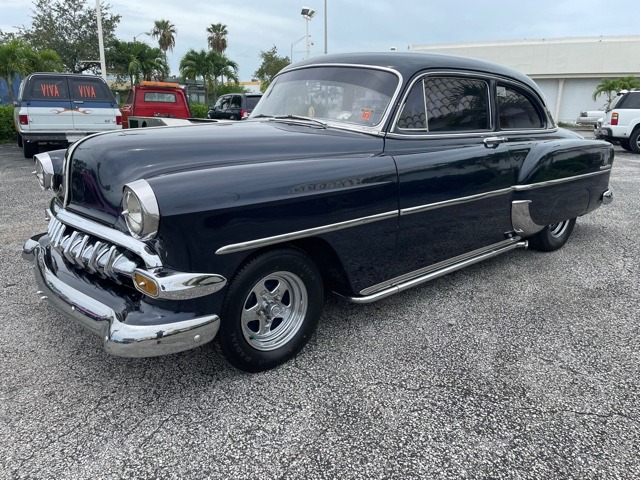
(522, 367)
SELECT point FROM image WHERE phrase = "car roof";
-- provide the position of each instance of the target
(408, 63)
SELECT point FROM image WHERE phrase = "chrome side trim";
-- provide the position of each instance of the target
(183, 286)
(263, 242)
(111, 235)
(521, 219)
(455, 201)
(419, 277)
(436, 266)
(521, 188)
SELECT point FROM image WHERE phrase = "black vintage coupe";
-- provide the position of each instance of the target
(361, 174)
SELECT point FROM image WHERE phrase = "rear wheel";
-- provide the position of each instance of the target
(271, 310)
(29, 149)
(634, 141)
(625, 144)
(19, 140)
(553, 236)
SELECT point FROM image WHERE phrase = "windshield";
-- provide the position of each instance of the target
(350, 95)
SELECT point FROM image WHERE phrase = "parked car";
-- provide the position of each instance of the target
(59, 108)
(621, 122)
(360, 174)
(150, 100)
(589, 117)
(234, 106)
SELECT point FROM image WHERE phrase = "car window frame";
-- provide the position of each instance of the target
(537, 103)
(549, 125)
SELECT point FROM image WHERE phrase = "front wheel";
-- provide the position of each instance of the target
(271, 310)
(553, 236)
(19, 140)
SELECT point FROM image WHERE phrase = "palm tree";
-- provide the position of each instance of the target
(196, 65)
(137, 61)
(608, 87)
(217, 37)
(165, 32)
(19, 58)
(221, 67)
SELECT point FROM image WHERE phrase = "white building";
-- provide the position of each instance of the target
(566, 69)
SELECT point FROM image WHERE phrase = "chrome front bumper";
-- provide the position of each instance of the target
(118, 337)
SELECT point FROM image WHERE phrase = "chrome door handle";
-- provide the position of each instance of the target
(493, 142)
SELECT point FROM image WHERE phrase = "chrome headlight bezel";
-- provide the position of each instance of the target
(44, 170)
(140, 210)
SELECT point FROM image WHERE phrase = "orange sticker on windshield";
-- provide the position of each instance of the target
(366, 114)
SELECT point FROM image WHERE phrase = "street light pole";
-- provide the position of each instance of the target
(293, 44)
(103, 63)
(308, 13)
(325, 27)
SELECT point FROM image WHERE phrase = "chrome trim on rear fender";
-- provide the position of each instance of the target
(521, 219)
(455, 201)
(607, 197)
(520, 188)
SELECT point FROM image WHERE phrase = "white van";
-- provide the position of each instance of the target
(61, 108)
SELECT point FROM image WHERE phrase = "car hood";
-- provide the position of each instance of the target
(103, 164)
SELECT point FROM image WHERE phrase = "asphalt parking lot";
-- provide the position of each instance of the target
(523, 367)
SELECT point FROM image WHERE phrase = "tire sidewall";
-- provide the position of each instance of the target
(230, 337)
(546, 242)
(633, 141)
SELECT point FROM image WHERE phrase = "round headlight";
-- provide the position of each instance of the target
(140, 210)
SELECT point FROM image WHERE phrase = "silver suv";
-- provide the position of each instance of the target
(621, 121)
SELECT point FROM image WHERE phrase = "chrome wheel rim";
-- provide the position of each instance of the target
(557, 229)
(274, 311)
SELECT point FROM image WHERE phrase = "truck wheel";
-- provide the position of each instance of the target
(19, 140)
(29, 149)
(634, 141)
(271, 310)
(552, 237)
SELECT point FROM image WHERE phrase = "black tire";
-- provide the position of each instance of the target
(29, 149)
(263, 326)
(233, 117)
(625, 144)
(634, 141)
(552, 237)
(19, 140)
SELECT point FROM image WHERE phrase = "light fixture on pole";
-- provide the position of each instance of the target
(103, 63)
(140, 34)
(308, 13)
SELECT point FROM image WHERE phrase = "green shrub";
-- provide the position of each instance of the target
(7, 130)
(198, 110)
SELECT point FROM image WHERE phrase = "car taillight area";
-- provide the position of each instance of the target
(118, 119)
(24, 119)
(614, 119)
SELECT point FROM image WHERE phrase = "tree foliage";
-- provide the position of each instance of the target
(217, 38)
(610, 86)
(17, 57)
(271, 64)
(136, 61)
(210, 67)
(165, 32)
(69, 27)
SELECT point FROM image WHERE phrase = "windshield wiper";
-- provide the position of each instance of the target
(300, 117)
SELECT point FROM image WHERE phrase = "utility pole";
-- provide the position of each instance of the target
(103, 63)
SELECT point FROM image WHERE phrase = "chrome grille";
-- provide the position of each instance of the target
(89, 253)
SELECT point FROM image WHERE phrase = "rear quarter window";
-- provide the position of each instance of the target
(630, 100)
(49, 88)
(252, 102)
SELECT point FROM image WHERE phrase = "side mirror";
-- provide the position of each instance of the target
(16, 103)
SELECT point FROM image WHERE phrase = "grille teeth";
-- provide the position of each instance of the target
(94, 256)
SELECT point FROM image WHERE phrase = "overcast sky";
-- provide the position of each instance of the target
(355, 25)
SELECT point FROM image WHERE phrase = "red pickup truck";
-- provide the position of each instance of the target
(155, 100)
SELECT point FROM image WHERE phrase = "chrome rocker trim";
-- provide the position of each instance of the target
(118, 338)
(424, 275)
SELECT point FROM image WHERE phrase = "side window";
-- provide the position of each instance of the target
(49, 88)
(224, 103)
(446, 104)
(236, 101)
(88, 89)
(515, 110)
